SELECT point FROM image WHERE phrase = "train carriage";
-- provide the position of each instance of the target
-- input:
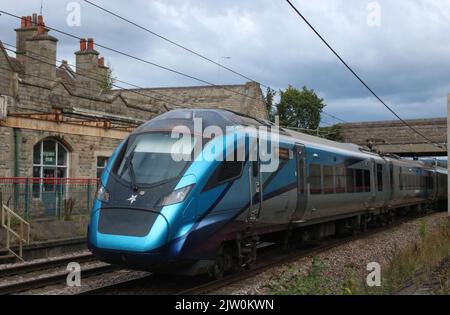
(163, 206)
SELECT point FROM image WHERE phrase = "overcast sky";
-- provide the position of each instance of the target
(405, 59)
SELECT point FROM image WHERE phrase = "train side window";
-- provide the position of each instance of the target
(328, 179)
(400, 178)
(359, 180)
(350, 180)
(340, 180)
(366, 181)
(315, 179)
(226, 171)
(380, 177)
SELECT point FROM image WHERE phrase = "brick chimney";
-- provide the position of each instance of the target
(87, 66)
(26, 31)
(40, 49)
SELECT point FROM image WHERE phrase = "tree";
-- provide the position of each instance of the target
(270, 94)
(107, 80)
(300, 108)
(332, 133)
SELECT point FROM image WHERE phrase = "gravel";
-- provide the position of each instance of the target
(356, 255)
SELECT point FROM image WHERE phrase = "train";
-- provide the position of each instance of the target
(197, 191)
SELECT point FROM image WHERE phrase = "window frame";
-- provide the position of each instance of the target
(41, 165)
(209, 186)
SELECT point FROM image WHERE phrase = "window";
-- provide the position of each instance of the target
(227, 170)
(340, 180)
(350, 180)
(366, 181)
(380, 177)
(328, 179)
(50, 161)
(154, 157)
(102, 161)
(359, 180)
(315, 179)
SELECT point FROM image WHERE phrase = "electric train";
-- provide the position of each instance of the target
(183, 198)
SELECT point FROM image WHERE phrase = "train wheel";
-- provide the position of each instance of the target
(223, 263)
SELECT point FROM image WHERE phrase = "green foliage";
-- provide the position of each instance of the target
(315, 283)
(413, 265)
(423, 229)
(269, 99)
(107, 80)
(332, 133)
(300, 108)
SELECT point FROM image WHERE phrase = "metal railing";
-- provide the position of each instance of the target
(10, 221)
(48, 198)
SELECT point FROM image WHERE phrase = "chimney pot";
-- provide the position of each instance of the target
(40, 20)
(83, 44)
(41, 29)
(29, 21)
(90, 43)
(23, 22)
(101, 61)
(34, 19)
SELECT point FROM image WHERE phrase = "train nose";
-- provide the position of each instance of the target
(132, 229)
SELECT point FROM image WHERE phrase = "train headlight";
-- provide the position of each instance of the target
(176, 196)
(102, 194)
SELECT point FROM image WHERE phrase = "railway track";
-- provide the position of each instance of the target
(28, 276)
(271, 259)
(149, 283)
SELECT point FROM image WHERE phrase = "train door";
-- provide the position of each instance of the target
(300, 156)
(373, 186)
(391, 181)
(255, 188)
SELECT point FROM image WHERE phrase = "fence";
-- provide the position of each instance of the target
(39, 198)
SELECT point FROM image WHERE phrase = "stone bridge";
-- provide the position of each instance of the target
(395, 137)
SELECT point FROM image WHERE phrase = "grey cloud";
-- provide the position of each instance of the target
(405, 60)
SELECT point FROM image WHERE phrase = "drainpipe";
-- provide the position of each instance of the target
(16, 166)
(16, 152)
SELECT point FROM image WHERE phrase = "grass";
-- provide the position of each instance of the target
(413, 265)
(313, 283)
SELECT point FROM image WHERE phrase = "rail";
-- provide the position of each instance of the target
(23, 233)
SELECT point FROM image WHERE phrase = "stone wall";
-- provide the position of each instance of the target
(246, 99)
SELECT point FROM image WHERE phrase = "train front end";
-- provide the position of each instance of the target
(145, 202)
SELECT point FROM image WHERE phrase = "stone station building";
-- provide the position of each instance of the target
(58, 126)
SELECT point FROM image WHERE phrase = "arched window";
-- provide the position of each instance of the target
(50, 160)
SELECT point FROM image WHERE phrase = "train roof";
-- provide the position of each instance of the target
(224, 118)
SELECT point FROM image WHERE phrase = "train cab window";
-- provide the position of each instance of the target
(315, 179)
(340, 180)
(350, 180)
(380, 177)
(359, 180)
(328, 179)
(227, 170)
(366, 181)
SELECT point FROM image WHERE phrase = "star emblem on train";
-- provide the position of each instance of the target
(132, 199)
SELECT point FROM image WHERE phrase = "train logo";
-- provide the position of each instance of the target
(132, 199)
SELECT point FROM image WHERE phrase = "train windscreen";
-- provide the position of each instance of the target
(155, 157)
